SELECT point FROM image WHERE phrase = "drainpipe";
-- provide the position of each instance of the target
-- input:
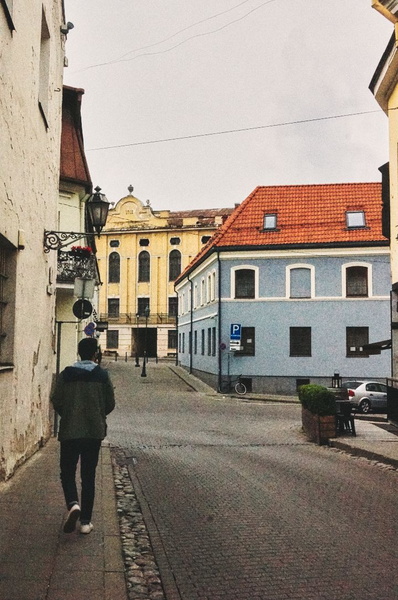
(219, 324)
(178, 347)
(191, 328)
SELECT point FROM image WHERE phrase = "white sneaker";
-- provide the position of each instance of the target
(86, 528)
(72, 518)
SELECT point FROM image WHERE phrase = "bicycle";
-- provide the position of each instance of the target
(237, 385)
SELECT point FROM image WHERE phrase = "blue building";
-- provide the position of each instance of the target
(294, 287)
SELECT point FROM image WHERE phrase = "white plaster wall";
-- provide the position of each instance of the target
(29, 155)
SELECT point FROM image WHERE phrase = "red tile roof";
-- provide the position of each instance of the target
(306, 214)
(73, 159)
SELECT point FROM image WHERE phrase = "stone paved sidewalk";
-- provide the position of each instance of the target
(37, 560)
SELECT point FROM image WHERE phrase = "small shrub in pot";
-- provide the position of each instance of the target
(317, 399)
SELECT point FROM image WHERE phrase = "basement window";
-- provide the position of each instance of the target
(7, 301)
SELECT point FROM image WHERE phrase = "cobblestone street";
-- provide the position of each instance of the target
(239, 506)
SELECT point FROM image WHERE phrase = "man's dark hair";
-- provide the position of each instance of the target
(87, 348)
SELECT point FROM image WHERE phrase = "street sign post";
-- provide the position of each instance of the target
(235, 337)
(236, 331)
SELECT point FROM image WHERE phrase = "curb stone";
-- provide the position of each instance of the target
(141, 570)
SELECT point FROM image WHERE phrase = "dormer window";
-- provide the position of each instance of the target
(355, 219)
(269, 221)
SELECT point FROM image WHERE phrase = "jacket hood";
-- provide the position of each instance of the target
(85, 373)
(87, 365)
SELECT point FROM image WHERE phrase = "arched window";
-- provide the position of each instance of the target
(357, 282)
(144, 264)
(174, 264)
(114, 267)
(300, 283)
(244, 283)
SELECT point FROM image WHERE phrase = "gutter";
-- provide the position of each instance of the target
(190, 341)
(219, 325)
(235, 248)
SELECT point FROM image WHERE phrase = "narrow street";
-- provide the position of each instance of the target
(241, 506)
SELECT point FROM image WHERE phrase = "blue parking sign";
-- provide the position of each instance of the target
(236, 331)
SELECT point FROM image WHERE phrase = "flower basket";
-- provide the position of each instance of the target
(81, 251)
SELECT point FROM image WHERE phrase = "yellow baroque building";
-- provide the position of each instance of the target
(140, 254)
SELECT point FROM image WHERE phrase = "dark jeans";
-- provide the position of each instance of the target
(87, 450)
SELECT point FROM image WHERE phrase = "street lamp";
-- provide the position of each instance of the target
(137, 356)
(97, 207)
(146, 314)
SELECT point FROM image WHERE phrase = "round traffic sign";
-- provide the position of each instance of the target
(82, 309)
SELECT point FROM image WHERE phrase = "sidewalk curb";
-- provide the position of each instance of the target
(114, 571)
(355, 451)
(200, 386)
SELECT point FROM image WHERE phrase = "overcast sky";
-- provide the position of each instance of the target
(153, 70)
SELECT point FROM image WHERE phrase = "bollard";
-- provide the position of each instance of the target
(137, 360)
(125, 358)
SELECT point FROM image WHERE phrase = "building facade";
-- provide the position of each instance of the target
(140, 254)
(32, 60)
(75, 189)
(384, 86)
(292, 289)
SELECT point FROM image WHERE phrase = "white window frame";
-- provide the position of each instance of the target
(202, 291)
(355, 212)
(344, 268)
(290, 268)
(256, 281)
(213, 286)
(271, 217)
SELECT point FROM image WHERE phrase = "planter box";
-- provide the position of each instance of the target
(318, 429)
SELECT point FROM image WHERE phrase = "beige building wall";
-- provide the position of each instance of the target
(384, 86)
(71, 217)
(31, 68)
(130, 225)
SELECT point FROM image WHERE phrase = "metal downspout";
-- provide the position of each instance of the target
(190, 349)
(219, 325)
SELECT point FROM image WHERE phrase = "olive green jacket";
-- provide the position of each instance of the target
(83, 397)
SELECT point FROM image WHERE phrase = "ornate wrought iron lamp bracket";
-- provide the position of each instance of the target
(55, 240)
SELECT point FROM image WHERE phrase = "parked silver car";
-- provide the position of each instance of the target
(367, 395)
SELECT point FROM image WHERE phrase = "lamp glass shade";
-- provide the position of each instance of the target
(97, 208)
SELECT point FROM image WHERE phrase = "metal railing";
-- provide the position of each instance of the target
(133, 319)
(392, 400)
(70, 266)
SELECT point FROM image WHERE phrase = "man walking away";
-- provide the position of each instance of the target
(83, 396)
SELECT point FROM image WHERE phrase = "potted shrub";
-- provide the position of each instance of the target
(318, 412)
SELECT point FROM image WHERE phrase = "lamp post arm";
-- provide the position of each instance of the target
(55, 240)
